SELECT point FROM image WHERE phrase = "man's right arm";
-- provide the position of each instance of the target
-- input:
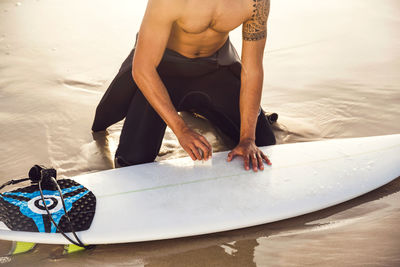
(152, 41)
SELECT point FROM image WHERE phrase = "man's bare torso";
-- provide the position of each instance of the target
(198, 28)
(203, 25)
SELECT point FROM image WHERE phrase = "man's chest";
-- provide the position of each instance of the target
(220, 16)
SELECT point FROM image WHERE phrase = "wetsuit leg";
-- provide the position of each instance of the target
(115, 102)
(143, 129)
(218, 100)
(142, 133)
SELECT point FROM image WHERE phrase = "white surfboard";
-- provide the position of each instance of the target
(178, 198)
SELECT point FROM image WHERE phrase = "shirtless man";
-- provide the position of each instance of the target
(183, 61)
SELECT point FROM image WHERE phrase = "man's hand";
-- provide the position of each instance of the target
(194, 143)
(248, 150)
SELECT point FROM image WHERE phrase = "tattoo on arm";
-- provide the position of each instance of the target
(256, 28)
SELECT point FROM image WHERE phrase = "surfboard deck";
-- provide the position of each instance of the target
(178, 198)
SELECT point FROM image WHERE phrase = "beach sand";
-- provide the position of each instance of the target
(331, 71)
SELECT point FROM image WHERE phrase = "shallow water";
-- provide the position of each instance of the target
(332, 70)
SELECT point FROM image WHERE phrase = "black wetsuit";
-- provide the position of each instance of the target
(208, 86)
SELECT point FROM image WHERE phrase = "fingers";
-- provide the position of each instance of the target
(246, 162)
(200, 150)
(196, 152)
(260, 161)
(195, 145)
(205, 142)
(251, 155)
(230, 156)
(251, 160)
(204, 148)
(254, 162)
(265, 158)
(248, 158)
(190, 153)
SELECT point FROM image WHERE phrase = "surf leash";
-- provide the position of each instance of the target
(41, 175)
(11, 182)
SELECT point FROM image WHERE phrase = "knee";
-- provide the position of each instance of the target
(272, 140)
(266, 140)
(124, 161)
(264, 134)
(131, 154)
(99, 120)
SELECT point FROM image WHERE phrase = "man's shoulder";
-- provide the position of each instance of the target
(167, 7)
(168, 4)
(255, 28)
(259, 5)
(255, 8)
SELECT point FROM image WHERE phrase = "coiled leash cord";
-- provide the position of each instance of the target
(41, 175)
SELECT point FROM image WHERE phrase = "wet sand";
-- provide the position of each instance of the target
(331, 71)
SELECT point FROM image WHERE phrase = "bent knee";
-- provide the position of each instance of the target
(266, 139)
(130, 160)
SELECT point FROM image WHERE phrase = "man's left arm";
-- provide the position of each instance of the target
(254, 39)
